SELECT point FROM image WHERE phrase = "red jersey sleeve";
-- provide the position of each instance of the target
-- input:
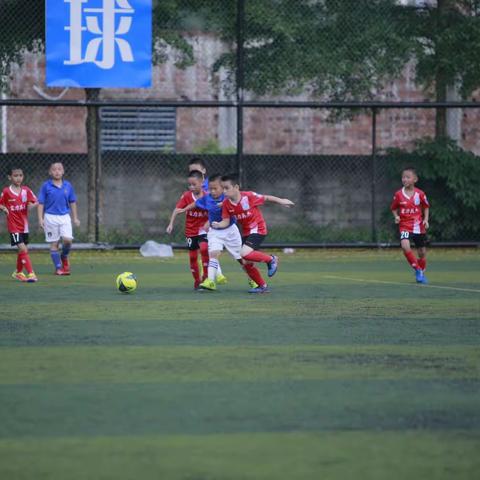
(256, 199)
(225, 213)
(31, 198)
(184, 201)
(424, 200)
(2, 199)
(394, 206)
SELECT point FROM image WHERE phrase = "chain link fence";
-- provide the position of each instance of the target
(275, 109)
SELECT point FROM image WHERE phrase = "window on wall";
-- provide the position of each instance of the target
(133, 128)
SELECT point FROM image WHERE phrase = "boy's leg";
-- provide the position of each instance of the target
(66, 247)
(251, 253)
(52, 236)
(409, 255)
(254, 273)
(209, 282)
(422, 257)
(26, 262)
(205, 259)
(193, 260)
(66, 234)
(56, 258)
(213, 265)
(18, 273)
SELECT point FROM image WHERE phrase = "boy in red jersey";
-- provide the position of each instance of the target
(407, 206)
(244, 207)
(195, 233)
(15, 201)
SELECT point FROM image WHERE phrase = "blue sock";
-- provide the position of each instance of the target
(55, 254)
(66, 249)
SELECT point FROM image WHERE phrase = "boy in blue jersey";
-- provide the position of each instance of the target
(56, 200)
(218, 239)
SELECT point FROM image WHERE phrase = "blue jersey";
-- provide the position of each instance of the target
(205, 185)
(213, 207)
(57, 200)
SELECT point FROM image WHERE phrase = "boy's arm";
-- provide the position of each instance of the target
(285, 202)
(40, 215)
(223, 224)
(426, 215)
(175, 212)
(396, 216)
(76, 220)
(189, 207)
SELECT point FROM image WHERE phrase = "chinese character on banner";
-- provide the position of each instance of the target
(99, 43)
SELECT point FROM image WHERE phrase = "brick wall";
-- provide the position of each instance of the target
(267, 131)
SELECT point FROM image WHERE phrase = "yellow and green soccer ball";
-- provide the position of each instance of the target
(127, 282)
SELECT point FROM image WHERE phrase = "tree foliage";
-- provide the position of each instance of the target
(335, 49)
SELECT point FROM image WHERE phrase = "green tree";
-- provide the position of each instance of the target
(348, 49)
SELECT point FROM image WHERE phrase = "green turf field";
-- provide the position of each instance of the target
(346, 370)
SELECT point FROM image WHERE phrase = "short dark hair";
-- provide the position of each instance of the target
(233, 178)
(197, 161)
(215, 177)
(13, 167)
(195, 174)
(411, 169)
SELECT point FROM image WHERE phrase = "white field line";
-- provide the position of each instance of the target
(337, 277)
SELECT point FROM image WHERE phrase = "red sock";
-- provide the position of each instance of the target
(25, 261)
(258, 257)
(411, 259)
(19, 263)
(422, 263)
(194, 265)
(205, 258)
(254, 274)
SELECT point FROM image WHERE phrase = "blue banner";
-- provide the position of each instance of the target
(99, 43)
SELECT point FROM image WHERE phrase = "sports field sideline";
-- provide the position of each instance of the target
(348, 369)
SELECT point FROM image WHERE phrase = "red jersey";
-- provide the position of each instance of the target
(17, 218)
(196, 218)
(410, 210)
(247, 213)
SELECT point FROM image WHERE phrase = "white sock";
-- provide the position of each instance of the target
(219, 268)
(212, 269)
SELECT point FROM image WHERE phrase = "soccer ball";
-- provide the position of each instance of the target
(127, 282)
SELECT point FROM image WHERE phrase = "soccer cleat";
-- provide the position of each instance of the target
(263, 289)
(65, 266)
(252, 283)
(208, 284)
(31, 278)
(20, 276)
(221, 279)
(61, 272)
(419, 276)
(272, 266)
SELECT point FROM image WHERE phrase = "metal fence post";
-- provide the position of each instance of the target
(92, 148)
(98, 178)
(374, 175)
(239, 74)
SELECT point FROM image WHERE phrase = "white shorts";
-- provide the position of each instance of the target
(57, 226)
(228, 238)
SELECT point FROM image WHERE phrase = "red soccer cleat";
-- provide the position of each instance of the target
(61, 272)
